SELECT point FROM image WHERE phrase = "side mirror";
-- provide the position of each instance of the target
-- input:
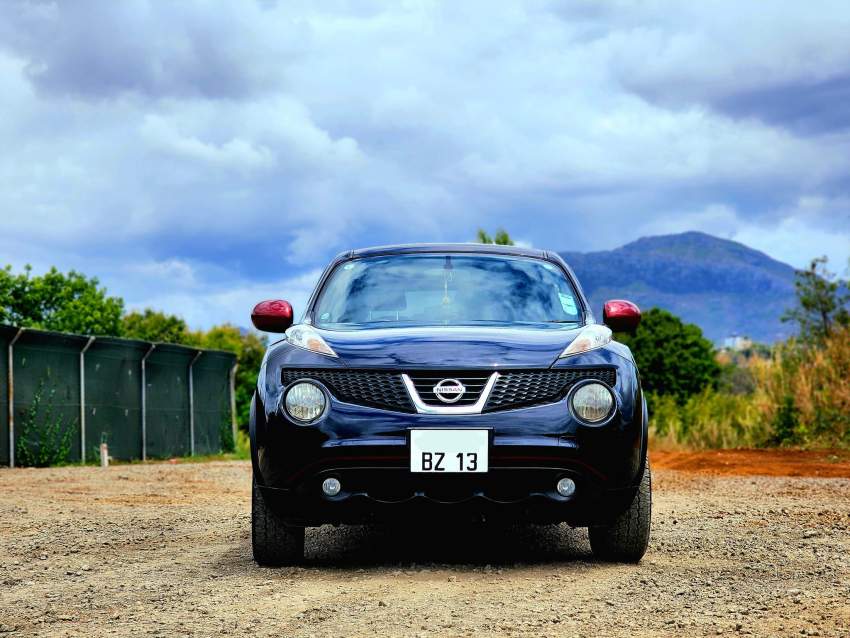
(621, 315)
(274, 315)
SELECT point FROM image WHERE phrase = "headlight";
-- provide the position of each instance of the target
(303, 336)
(305, 402)
(593, 336)
(592, 402)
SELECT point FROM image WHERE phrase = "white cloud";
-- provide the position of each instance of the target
(708, 50)
(233, 303)
(236, 153)
(227, 148)
(178, 273)
(810, 228)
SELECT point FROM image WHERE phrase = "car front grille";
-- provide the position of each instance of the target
(513, 389)
(521, 388)
(361, 387)
(474, 383)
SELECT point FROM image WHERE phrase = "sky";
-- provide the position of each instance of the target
(198, 157)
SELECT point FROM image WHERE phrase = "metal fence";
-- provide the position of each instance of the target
(144, 400)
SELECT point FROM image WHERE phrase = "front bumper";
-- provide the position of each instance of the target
(291, 463)
(387, 494)
(368, 450)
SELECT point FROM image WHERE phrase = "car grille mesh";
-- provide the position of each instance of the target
(361, 387)
(513, 389)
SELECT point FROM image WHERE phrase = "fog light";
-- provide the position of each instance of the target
(566, 487)
(331, 486)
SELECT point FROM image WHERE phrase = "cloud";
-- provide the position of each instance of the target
(230, 149)
(95, 50)
(202, 306)
(236, 153)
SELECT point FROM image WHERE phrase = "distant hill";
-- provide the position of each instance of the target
(722, 286)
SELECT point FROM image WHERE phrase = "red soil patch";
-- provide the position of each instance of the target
(821, 463)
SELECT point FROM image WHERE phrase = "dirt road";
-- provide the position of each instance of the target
(164, 550)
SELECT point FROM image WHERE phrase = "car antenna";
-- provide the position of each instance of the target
(447, 277)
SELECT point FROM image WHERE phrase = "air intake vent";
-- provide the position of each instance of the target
(516, 389)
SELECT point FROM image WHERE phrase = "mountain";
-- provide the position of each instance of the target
(724, 287)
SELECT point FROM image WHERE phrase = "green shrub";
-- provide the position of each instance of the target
(242, 445)
(225, 433)
(44, 438)
(786, 422)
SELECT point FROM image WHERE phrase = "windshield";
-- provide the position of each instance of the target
(445, 290)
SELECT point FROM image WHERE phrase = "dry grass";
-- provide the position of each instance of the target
(707, 420)
(801, 398)
(805, 393)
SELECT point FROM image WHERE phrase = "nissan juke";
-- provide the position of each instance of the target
(456, 383)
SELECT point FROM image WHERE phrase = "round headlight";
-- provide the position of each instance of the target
(305, 402)
(592, 402)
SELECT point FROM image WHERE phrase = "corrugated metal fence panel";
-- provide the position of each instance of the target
(47, 365)
(7, 333)
(113, 397)
(212, 400)
(168, 401)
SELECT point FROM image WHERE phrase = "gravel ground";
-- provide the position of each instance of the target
(165, 550)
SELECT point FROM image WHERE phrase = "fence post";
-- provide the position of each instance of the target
(233, 400)
(192, 404)
(144, 404)
(83, 399)
(11, 395)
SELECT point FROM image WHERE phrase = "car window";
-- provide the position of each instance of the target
(430, 289)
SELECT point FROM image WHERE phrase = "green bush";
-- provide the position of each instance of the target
(786, 422)
(242, 445)
(44, 438)
(225, 433)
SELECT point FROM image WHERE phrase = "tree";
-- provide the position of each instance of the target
(152, 325)
(68, 302)
(74, 303)
(822, 301)
(501, 238)
(673, 357)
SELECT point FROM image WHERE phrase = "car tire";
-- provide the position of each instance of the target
(625, 540)
(274, 543)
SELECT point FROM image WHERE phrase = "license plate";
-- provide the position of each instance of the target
(449, 450)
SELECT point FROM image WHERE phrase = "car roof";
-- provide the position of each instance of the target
(407, 249)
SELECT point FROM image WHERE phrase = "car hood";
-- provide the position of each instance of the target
(450, 347)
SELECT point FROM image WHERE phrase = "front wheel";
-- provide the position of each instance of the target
(274, 543)
(627, 537)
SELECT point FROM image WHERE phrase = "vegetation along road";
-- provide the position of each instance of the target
(163, 549)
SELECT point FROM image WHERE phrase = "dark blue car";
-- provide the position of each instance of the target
(453, 382)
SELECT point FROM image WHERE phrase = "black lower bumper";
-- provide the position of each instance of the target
(386, 494)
